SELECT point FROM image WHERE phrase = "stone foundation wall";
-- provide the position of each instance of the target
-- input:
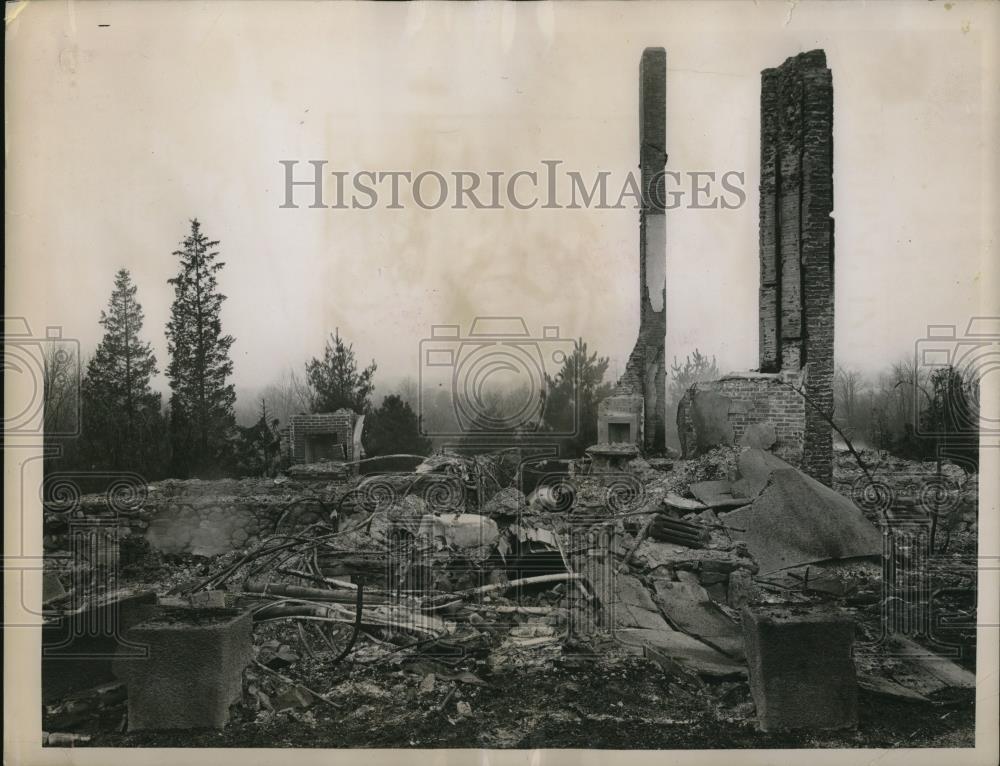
(207, 518)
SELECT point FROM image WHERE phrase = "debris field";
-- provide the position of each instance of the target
(723, 601)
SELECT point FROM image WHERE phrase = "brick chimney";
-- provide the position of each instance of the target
(639, 398)
(796, 239)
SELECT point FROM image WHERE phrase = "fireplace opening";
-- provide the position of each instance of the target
(323, 448)
(620, 433)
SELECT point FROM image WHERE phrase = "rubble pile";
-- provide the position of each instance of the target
(437, 582)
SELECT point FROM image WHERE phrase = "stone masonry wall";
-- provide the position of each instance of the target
(207, 518)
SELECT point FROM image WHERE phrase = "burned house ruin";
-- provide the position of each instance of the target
(636, 412)
(786, 402)
(472, 597)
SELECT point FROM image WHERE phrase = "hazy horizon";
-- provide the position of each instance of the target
(117, 135)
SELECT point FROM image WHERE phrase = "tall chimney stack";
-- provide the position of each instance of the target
(653, 244)
(636, 410)
(796, 241)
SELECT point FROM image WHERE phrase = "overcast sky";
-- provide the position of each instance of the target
(124, 120)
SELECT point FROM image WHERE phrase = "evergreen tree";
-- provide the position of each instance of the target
(394, 429)
(950, 422)
(121, 412)
(201, 401)
(336, 381)
(697, 368)
(572, 397)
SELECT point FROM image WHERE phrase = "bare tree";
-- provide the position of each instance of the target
(848, 387)
(61, 367)
(910, 384)
(61, 387)
(287, 396)
(880, 398)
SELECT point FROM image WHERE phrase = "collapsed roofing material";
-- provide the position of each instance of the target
(796, 520)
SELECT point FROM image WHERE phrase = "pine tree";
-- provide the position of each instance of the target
(201, 401)
(336, 381)
(572, 397)
(697, 368)
(122, 425)
(394, 428)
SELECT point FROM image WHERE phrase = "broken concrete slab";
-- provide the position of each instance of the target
(629, 590)
(687, 652)
(949, 673)
(631, 616)
(886, 687)
(633, 607)
(797, 520)
(673, 500)
(802, 674)
(717, 494)
(918, 670)
(194, 671)
(689, 608)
